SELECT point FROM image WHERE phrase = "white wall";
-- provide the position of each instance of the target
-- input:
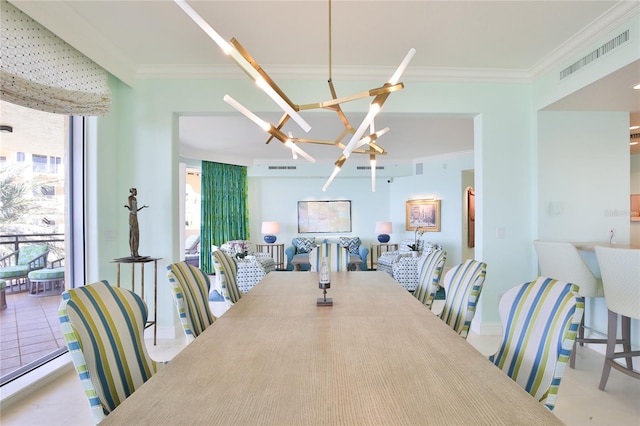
(635, 189)
(583, 159)
(584, 175)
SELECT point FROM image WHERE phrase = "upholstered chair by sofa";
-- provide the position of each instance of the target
(251, 268)
(299, 249)
(402, 265)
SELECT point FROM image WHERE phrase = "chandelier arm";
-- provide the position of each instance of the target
(372, 163)
(336, 170)
(283, 120)
(243, 63)
(314, 141)
(245, 54)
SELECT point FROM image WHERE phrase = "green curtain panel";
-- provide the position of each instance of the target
(225, 213)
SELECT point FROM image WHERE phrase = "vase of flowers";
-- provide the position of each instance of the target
(415, 247)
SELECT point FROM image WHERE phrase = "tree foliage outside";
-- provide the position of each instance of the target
(26, 204)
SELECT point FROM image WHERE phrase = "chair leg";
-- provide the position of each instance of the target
(626, 339)
(581, 332)
(572, 357)
(612, 329)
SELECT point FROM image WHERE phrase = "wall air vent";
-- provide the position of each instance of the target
(419, 168)
(369, 168)
(601, 51)
(282, 167)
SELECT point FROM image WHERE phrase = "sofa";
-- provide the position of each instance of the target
(301, 246)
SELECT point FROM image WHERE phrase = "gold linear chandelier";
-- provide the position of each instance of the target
(359, 143)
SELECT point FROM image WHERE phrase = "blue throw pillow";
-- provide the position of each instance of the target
(304, 245)
(352, 244)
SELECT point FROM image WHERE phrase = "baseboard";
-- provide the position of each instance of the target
(33, 380)
(487, 328)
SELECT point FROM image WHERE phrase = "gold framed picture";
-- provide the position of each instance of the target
(424, 214)
(635, 207)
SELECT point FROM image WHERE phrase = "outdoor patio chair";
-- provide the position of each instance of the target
(15, 267)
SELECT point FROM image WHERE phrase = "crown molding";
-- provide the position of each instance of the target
(616, 16)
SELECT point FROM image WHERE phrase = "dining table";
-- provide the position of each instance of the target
(377, 356)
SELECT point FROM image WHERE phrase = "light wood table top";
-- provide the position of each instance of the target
(377, 357)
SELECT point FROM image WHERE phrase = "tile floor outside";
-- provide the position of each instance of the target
(29, 329)
(580, 402)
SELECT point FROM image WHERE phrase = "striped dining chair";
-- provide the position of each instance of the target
(337, 257)
(191, 289)
(540, 320)
(462, 286)
(227, 273)
(429, 273)
(103, 328)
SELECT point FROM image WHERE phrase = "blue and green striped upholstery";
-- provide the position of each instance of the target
(462, 285)
(540, 320)
(103, 328)
(227, 271)
(191, 289)
(337, 257)
(429, 272)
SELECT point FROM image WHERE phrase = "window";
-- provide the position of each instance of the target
(48, 197)
(39, 163)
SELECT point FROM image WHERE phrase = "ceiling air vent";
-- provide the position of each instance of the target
(369, 168)
(601, 51)
(282, 167)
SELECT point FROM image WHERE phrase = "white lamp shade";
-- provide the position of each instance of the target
(383, 227)
(270, 228)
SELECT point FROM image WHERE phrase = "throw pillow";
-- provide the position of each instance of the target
(352, 244)
(304, 245)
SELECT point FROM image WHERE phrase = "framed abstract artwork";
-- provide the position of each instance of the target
(424, 214)
(324, 216)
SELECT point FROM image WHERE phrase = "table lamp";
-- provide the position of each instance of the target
(383, 229)
(269, 229)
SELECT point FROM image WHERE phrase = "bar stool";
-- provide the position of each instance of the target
(620, 270)
(562, 261)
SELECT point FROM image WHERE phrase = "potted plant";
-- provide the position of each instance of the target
(415, 247)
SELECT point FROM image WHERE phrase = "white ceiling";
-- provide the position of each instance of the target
(512, 40)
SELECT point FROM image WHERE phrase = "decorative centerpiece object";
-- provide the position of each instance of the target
(383, 229)
(269, 229)
(324, 282)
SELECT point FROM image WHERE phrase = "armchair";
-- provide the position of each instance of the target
(27, 259)
(299, 250)
(401, 264)
(251, 268)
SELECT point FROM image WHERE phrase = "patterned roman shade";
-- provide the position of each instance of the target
(39, 70)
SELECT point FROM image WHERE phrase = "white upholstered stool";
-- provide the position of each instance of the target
(562, 261)
(620, 270)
